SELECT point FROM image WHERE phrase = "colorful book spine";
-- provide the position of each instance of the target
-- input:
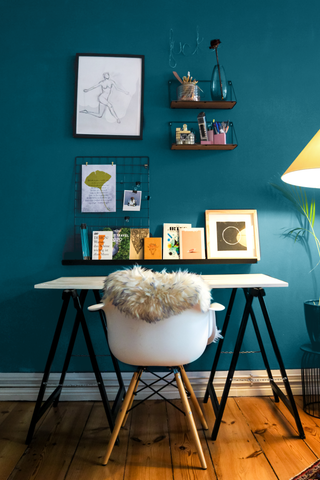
(171, 243)
(137, 236)
(120, 243)
(102, 245)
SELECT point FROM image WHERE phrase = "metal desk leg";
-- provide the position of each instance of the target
(73, 337)
(93, 359)
(289, 402)
(210, 390)
(40, 409)
(242, 329)
(122, 391)
(261, 346)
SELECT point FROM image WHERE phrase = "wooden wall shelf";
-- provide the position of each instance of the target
(203, 104)
(110, 263)
(198, 146)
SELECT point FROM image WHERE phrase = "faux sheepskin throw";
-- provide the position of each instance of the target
(153, 296)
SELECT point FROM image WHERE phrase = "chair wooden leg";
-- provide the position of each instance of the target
(193, 398)
(130, 404)
(121, 414)
(190, 419)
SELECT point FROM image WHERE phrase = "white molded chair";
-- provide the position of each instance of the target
(171, 342)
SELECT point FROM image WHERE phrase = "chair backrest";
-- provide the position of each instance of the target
(177, 340)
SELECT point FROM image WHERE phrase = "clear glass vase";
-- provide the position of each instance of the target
(215, 85)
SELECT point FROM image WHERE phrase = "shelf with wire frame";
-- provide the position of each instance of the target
(167, 263)
(132, 173)
(199, 146)
(231, 138)
(205, 101)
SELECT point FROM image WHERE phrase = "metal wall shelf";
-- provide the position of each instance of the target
(132, 172)
(202, 105)
(199, 146)
(213, 261)
(205, 97)
(231, 144)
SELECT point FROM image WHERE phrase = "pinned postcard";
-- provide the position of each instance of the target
(132, 200)
(98, 188)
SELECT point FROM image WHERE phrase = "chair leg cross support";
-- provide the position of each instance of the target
(183, 383)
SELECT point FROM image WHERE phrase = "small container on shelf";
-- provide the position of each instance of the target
(188, 92)
(84, 242)
(219, 139)
(183, 135)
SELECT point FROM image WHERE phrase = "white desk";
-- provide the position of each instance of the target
(253, 286)
(251, 280)
(254, 280)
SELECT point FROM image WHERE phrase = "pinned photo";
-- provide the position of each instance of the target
(132, 200)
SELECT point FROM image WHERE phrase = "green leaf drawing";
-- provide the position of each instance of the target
(96, 180)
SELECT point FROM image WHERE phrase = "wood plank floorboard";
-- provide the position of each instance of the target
(185, 460)
(236, 452)
(257, 439)
(286, 452)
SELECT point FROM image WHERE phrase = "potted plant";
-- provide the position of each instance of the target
(306, 211)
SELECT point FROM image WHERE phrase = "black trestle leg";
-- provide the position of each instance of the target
(40, 409)
(291, 405)
(232, 368)
(219, 347)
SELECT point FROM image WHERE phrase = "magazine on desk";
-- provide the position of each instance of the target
(102, 245)
(171, 245)
(120, 243)
(192, 245)
(137, 236)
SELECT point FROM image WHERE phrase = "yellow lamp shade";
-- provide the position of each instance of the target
(305, 170)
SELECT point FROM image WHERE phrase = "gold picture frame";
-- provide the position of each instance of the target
(232, 234)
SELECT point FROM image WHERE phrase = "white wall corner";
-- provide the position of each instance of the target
(82, 386)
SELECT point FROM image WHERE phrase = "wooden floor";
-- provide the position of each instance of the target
(257, 441)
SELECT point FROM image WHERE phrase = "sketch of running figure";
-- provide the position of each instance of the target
(106, 86)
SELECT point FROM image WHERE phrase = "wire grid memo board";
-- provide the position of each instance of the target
(132, 173)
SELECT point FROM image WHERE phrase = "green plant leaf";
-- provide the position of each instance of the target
(97, 179)
(306, 214)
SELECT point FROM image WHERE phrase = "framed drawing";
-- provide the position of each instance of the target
(232, 234)
(109, 96)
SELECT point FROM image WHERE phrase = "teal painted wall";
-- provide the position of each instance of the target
(270, 51)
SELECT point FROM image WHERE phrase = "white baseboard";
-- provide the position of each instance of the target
(246, 383)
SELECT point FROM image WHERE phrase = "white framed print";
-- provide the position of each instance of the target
(232, 234)
(109, 96)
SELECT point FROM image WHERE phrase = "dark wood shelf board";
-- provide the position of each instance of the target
(213, 261)
(198, 146)
(227, 105)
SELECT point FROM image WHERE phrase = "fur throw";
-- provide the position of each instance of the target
(153, 296)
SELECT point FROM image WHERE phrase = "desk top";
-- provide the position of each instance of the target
(215, 281)
(243, 281)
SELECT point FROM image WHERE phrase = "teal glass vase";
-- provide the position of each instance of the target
(216, 86)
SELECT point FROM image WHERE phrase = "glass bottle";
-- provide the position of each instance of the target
(216, 86)
(84, 242)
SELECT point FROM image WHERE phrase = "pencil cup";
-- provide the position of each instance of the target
(219, 138)
(187, 91)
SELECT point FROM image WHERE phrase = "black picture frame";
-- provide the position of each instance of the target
(109, 91)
